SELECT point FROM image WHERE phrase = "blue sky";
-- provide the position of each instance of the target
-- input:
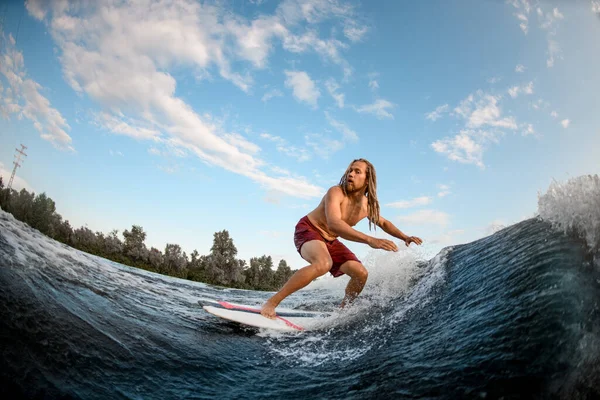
(188, 118)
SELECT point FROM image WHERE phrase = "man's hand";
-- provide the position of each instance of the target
(412, 239)
(382, 244)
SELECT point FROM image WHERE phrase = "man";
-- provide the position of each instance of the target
(342, 207)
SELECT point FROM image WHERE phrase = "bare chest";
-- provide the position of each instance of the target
(353, 212)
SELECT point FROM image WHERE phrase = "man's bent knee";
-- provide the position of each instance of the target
(355, 270)
(361, 274)
(322, 266)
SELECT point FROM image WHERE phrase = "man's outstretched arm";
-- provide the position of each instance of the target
(391, 229)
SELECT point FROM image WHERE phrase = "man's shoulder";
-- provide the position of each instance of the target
(335, 191)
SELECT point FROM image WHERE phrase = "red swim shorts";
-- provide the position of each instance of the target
(306, 231)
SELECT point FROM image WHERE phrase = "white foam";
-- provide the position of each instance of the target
(574, 206)
(391, 278)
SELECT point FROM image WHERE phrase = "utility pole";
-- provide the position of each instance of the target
(17, 165)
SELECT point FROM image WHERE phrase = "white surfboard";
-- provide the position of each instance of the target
(286, 320)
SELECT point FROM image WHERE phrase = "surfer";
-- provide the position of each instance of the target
(315, 237)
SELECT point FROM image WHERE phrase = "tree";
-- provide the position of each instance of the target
(283, 273)
(134, 246)
(155, 259)
(174, 261)
(112, 244)
(252, 273)
(20, 205)
(221, 266)
(63, 232)
(84, 239)
(43, 209)
(260, 273)
(266, 273)
(4, 196)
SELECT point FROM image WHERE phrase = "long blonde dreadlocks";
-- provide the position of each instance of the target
(371, 193)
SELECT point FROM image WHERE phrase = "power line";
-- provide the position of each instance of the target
(17, 165)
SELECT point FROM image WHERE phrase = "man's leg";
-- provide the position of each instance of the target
(315, 252)
(358, 277)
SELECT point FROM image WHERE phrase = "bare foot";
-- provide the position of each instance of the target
(268, 310)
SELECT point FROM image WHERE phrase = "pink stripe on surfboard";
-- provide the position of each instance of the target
(236, 307)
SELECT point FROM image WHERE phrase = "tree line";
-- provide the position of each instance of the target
(219, 267)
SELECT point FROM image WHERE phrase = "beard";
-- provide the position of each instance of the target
(352, 188)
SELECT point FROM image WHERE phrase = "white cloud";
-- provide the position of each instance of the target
(515, 90)
(284, 147)
(349, 134)
(322, 145)
(120, 57)
(520, 68)
(596, 6)
(464, 108)
(523, 7)
(273, 138)
(548, 23)
(24, 99)
(354, 32)
(528, 130)
(332, 87)
(551, 18)
(554, 114)
(425, 217)
(271, 94)
(418, 201)
(521, 4)
(125, 126)
(327, 49)
(18, 182)
(444, 190)
(487, 113)
(437, 113)
(557, 14)
(303, 87)
(484, 123)
(554, 52)
(115, 153)
(539, 104)
(565, 123)
(241, 142)
(379, 108)
(170, 169)
(461, 148)
(524, 21)
(373, 83)
(280, 171)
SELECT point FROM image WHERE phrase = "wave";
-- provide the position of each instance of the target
(512, 315)
(574, 207)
